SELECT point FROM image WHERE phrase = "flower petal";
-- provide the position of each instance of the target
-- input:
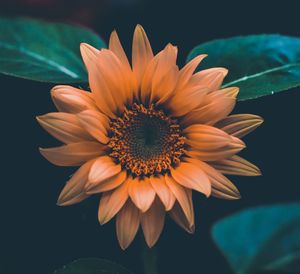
(215, 106)
(211, 78)
(102, 169)
(162, 190)
(152, 222)
(191, 176)
(156, 82)
(73, 191)
(96, 124)
(187, 71)
(205, 137)
(221, 186)
(74, 154)
(141, 193)
(105, 78)
(235, 146)
(179, 217)
(111, 202)
(127, 224)
(130, 87)
(64, 126)
(236, 166)
(72, 100)
(240, 125)
(108, 184)
(184, 198)
(141, 53)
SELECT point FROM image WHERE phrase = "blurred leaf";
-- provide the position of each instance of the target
(44, 51)
(92, 266)
(261, 238)
(259, 64)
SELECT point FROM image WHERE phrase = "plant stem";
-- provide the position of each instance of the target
(149, 259)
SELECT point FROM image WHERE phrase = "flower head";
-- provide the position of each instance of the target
(146, 136)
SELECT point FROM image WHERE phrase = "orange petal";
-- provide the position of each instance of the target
(162, 190)
(236, 166)
(74, 154)
(155, 81)
(73, 191)
(141, 193)
(191, 176)
(184, 198)
(221, 186)
(240, 125)
(127, 224)
(64, 126)
(108, 184)
(152, 222)
(215, 106)
(235, 146)
(105, 79)
(203, 137)
(116, 47)
(180, 218)
(102, 169)
(96, 124)
(72, 100)
(211, 78)
(187, 71)
(141, 53)
(111, 202)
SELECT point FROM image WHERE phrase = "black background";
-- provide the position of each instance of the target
(37, 236)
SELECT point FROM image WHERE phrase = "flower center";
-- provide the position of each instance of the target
(146, 141)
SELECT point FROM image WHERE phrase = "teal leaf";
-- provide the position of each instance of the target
(259, 64)
(92, 266)
(43, 51)
(260, 239)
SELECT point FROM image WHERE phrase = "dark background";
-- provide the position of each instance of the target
(37, 237)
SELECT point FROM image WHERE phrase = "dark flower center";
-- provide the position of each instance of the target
(146, 141)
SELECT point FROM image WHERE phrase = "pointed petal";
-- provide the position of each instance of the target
(102, 169)
(111, 202)
(96, 124)
(64, 126)
(141, 193)
(152, 222)
(180, 218)
(108, 184)
(216, 106)
(211, 78)
(203, 137)
(127, 224)
(141, 53)
(236, 166)
(240, 125)
(105, 79)
(72, 100)
(116, 47)
(74, 154)
(162, 190)
(73, 191)
(235, 146)
(184, 198)
(187, 71)
(191, 176)
(221, 186)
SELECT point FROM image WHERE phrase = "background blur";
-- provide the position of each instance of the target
(37, 237)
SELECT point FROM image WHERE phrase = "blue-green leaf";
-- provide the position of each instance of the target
(44, 51)
(92, 266)
(259, 64)
(262, 238)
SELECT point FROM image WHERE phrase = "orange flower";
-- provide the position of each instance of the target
(146, 136)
